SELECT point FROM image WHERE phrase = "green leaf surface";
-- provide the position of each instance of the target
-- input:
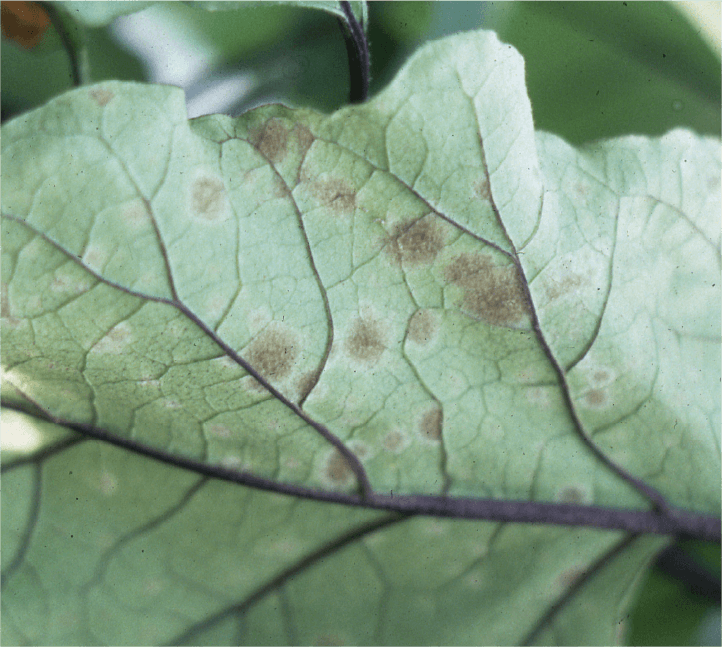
(419, 295)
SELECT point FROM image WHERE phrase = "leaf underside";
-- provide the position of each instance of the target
(417, 295)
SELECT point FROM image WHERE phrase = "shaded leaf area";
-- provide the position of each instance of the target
(386, 298)
(162, 556)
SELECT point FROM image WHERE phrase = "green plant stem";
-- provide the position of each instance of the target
(73, 43)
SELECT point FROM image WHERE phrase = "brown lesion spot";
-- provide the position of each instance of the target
(423, 327)
(393, 441)
(572, 495)
(492, 293)
(481, 189)
(335, 193)
(272, 353)
(418, 244)
(595, 398)
(431, 424)
(276, 137)
(101, 96)
(338, 469)
(272, 140)
(208, 198)
(365, 341)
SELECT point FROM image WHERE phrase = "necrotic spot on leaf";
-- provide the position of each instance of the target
(272, 353)
(334, 193)
(208, 198)
(101, 96)
(423, 327)
(337, 468)
(595, 398)
(420, 243)
(272, 141)
(431, 424)
(571, 494)
(394, 441)
(365, 342)
(492, 293)
(481, 189)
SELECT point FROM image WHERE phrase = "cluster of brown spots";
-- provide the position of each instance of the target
(101, 96)
(272, 353)
(338, 469)
(418, 244)
(208, 198)
(431, 424)
(492, 293)
(423, 327)
(365, 342)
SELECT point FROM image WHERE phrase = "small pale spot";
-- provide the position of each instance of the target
(231, 462)
(135, 215)
(108, 483)
(101, 96)
(219, 431)
(538, 396)
(96, 257)
(117, 339)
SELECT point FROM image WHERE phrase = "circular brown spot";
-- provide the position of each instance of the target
(272, 353)
(365, 341)
(337, 469)
(393, 441)
(431, 424)
(595, 398)
(420, 243)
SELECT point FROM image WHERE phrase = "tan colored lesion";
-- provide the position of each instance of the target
(365, 341)
(418, 244)
(492, 293)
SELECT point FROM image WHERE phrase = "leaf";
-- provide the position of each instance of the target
(419, 295)
(98, 14)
